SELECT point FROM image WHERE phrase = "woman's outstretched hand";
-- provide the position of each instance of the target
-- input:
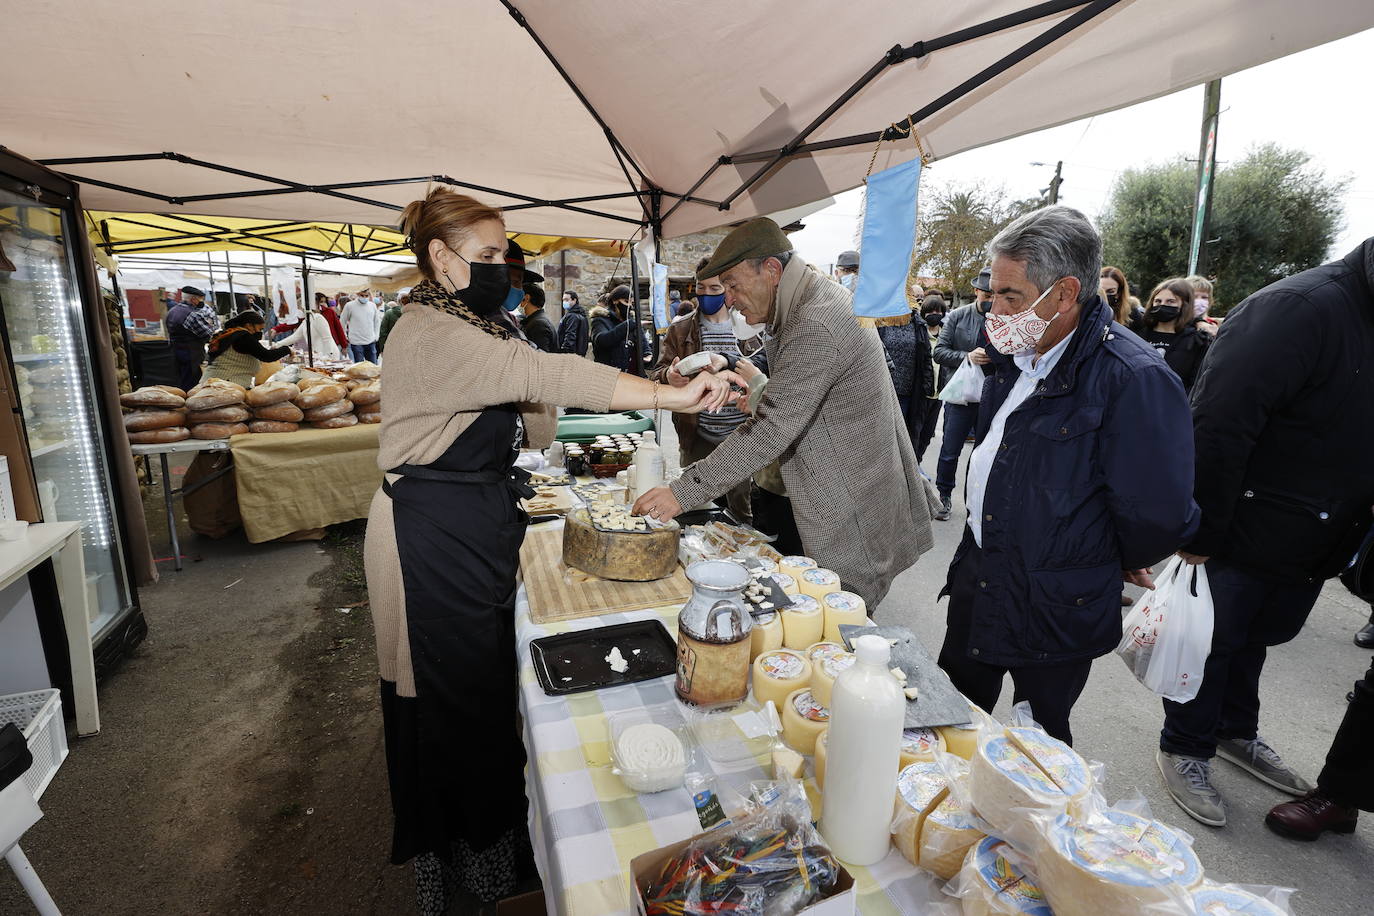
(706, 391)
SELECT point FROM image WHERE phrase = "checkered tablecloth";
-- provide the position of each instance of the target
(587, 826)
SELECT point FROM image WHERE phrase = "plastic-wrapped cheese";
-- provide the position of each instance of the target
(1003, 780)
(765, 635)
(1117, 863)
(823, 675)
(787, 583)
(920, 744)
(842, 609)
(946, 835)
(803, 719)
(1059, 761)
(1229, 900)
(960, 740)
(995, 885)
(818, 583)
(778, 673)
(795, 566)
(821, 757)
(802, 622)
(920, 787)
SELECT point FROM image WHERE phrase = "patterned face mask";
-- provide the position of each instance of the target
(1019, 333)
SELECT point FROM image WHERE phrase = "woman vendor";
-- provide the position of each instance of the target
(463, 393)
(236, 354)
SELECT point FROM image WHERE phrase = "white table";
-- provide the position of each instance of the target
(162, 450)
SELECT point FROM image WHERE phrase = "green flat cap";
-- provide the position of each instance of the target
(758, 238)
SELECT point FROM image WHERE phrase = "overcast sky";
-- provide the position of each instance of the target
(1316, 101)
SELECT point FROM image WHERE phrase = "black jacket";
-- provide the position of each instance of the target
(1283, 420)
(611, 342)
(573, 330)
(539, 331)
(961, 334)
(1183, 351)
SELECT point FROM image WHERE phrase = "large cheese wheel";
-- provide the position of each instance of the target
(319, 395)
(818, 583)
(1117, 863)
(794, 566)
(340, 422)
(364, 370)
(779, 673)
(1059, 761)
(824, 672)
(822, 755)
(231, 414)
(842, 609)
(920, 744)
(995, 884)
(152, 418)
(329, 411)
(156, 436)
(218, 430)
(785, 582)
(802, 623)
(152, 397)
(946, 835)
(1229, 900)
(370, 393)
(766, 633)
(1003, 781)
(212, 396)
(920, 787)
(802, 720)
(272, 393)
(271, 426)
(285, 412)
(960, 740)
(630, 556)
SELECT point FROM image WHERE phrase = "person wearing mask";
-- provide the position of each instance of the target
(1283, 427)
(393, 312)
(191, 323)
(573, 329)
(909, 364)
(535, 323)
(829, 417)
(319, 339)
(1168, 327)
(709, 329)
(1116, 291)
(1078, 480)
(236, 354)
(961, 338)
(359, 319)
(847, 270)
(330, 311)
(610, 331)
(932, 318)
(1202, 303)
(443, 542)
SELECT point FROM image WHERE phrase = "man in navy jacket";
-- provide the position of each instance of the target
(1082, 476)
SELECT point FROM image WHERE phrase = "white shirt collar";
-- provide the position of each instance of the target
(1042, 367)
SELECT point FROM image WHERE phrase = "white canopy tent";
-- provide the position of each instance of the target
(592, 118)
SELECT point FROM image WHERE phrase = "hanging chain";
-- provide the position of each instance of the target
(909, 130)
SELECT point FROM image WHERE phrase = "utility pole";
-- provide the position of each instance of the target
(1056, 181)
(1206, 172)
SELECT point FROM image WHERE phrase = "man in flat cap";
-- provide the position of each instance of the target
(190, 325)
(829, 416)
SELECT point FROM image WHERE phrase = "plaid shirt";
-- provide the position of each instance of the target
(200, 324)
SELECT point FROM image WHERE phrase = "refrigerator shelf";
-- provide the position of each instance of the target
(37, 357)
(49, 449)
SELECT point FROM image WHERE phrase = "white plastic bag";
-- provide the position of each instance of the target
(965, 386)
(1167, 636)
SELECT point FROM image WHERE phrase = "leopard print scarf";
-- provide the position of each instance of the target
(430, 293)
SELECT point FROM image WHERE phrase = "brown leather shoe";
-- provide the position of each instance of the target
(1309, 817)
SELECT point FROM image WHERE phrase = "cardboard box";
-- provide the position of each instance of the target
(531, 904)
(644, 868)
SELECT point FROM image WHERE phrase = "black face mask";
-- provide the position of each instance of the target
(1161, 314)
(934, 319)
(488, 286)
(1112, 299)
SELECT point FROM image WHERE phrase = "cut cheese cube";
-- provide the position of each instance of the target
(920, 744)
(787, 583)
(765, 635)
(787, 764)
(802, 622)
(821, 740)
(823, 675)
(995, 884)
(920, 787)
(778, 673)
(794, 566)
(803, 719)
(960, 740)
(842, 609)
(818, 583)
(912, 693)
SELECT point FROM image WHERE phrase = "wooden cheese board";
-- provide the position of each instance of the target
(556, 592)
(551, 500)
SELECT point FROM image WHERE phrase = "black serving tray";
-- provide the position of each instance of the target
(709, 514)
(575, 662)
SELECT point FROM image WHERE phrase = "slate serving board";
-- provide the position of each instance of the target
(938, 703)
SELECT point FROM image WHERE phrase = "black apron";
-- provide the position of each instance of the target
(454, 754)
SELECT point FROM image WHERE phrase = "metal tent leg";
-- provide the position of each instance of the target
(171, 513)
(29, 879)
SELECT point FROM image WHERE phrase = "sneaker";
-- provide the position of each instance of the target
(1311, 816)
(945, 510)
(1189, 781)
(1259, 760)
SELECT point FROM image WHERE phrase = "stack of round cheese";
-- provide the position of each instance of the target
(325, 404)
(842, 609)
(766, 634)
(802, 622)
(993, 884)
(824, 672)
(920, 744)
(787, 583)
(1023, 769)
(779, 673)
(1229, 900)
(1117, 863)
(272, 409)
(794, 566)
(803, 719)
(214, 410)
(818, 583)
(157, 414)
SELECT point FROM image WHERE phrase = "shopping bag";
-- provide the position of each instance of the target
(965, 386)
(1167, 636)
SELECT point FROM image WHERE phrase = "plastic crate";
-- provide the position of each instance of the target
(38, 714)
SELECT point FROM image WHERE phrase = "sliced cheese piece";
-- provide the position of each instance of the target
(960, 740)
(821, 755)
(788, 764)
(818, 583)
(947, 833)
(1059, 761)
(794, 566)
(1229, 900)
(920, 787)
(995, 885)
(823, 675)
(1003, 780)
(787, 583)
(842, 609)
(920, 744)
(803, 719)
(802, 622)
(765, 635)
(778, 673)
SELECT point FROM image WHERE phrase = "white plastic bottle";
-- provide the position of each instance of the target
(649, 467)
(863, 750)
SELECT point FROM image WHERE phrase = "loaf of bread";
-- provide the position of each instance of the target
(368, 415)
(339, 422)
(364, 370)
(218, 383)
(272, 393)
(285, 412)
(312, 381)
(231, 414)
(218, 430)
(370, 393)
(319, 395)
(271, 426)
(172, 389)
(329, 411)
(212, 396)
(151, 418)
(153, 436)
(152, 397)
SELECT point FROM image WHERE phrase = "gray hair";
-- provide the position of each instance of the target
(1053, 243)
(782, 257)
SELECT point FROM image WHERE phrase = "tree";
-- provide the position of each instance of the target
(1273, 215)
(953, 228)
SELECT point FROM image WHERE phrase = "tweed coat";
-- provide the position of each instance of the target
(830, 414)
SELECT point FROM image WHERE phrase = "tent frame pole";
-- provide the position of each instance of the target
(305, 307)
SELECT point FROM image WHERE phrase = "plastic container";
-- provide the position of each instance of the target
(38, 714)
(649, 466)
(660, 762)
(735, 732)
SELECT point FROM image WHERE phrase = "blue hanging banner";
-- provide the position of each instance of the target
(888, 238)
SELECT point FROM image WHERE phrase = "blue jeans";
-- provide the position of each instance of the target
(1250, 615)
(363, 352)
(960, 419)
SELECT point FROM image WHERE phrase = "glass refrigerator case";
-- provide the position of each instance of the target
(53, 434)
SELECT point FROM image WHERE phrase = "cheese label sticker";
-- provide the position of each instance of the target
(807, 707)
(764, 564)
(798, 562)
(1232, 901)
(765, 619)
(1006, 883)
(820, 577)
(783, 580)
(823, 650)
(920, 741)
(1017, 767)
(1062, 762)
(804, 604)
(835, 664)
(953, 815)
(843, 601)
(782, 665)
(1128, 850)
(919, 783)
